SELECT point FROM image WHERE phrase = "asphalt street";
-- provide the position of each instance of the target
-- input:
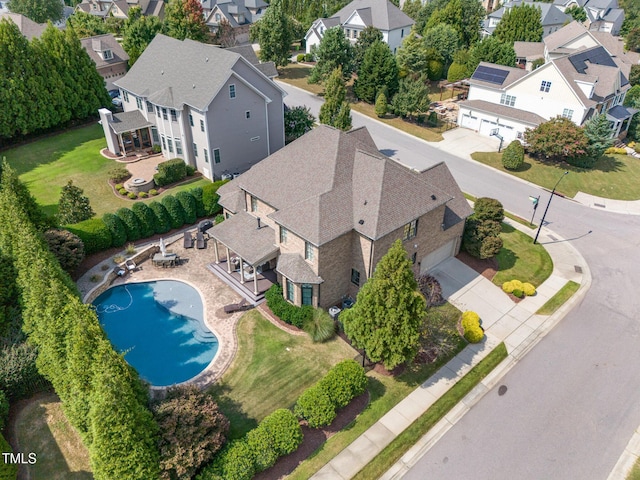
(572, 403)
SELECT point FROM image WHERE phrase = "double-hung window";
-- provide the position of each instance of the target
(164, 114)
(170, 145)
(191, 120)
(545, 86)
(232, 91)
(410, 230)
(508, 100)
(178, 146)
(174, 115)
(308, 251)
(206, 155)
(567, 113)
(283, 235)
(355, 277)
(195, 149)
(216, 155)
(202, 125)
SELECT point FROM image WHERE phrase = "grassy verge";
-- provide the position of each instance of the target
(433, 415)
(555, 302)
(520, 259)
(42, 428)
(634, 474)
(509, 215)
(612, 177)
(385, 392)
(271, 369)
(46, 165)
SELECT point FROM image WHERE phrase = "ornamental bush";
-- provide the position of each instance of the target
(164, 219)
(170, 171)
(132, 195)
(528, 289)
(118, 186)
(176, 212)
(315, 406)
(300, 57)
(94, 234)
(321, 327)
(284, 429)
(123, 191)
(116, 228)
(119, 175)
(143, 194)
(490, 247)
(518, 293)
(261, 444)
(131, 224)
(345, 381)
(146, 219)
(66, 247)
(235, 462)
(288, 313)
(473, 332)
(486, 208)
(616, 151)
(196, 193)
(381, 105)
(191, 170)
(188, 204)
(210, 197)
(153, 192)
(513, 156)
(508, 287)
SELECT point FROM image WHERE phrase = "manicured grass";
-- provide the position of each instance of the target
(634, 474)
(270, 371)
(614, 176)
(433, 415)
(385, 392)
(296, 74)
(46, 165)
(555, 302)
(42, 428)
(521, 260)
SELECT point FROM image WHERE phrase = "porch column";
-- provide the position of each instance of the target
(241, 270)
(228, 260)
(215, 251)
(255, 281)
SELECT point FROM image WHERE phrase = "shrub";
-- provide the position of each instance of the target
(175, 210)
(490, 247)
(616, 151)
(300, 57)
(190, 170)
(94, 234)
(131, 223)
(507, 287)
(123, 191)
(435, 70)
(219, 218)
(143, 194)
(196, 193)
(8, 471)
(345, 381)
(528, 289)
(308, 57)
(261, 444)
(284, 429)
(517, 285)
(636, 148)
(153, 192)
(95, 278)
(116, 228)
(67, 248)
(321, 327)
(381, 105)
(105, 267)
(119, 174)
(488, 209)
(236, 462)
(146, 219)
(131, 249)
(164, 219)
(513, 156)
(4, 410)
(291, 314)
(518, 293)
(118, 259)
(210, 197)
(170, 171)
(119, 186)
(473, 333)
(156, 148)
(132, 195)
(480, 237)
(188, 204)
(315, 406)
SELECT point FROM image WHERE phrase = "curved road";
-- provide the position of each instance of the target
(572, 403)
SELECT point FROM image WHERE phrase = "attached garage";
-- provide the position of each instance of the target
(469, 121)
(438, 256)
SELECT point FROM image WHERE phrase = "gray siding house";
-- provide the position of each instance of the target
(211, 107)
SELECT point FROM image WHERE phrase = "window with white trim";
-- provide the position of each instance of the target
(216, 155)
(545, 86)
(139, 103)
(164, 114)
(149, 107)
(355, 277)
(508, 100)
(158, 111)
(283, 234)
(178, 146)
(170, 145)
(202, 125)
(107, 55)
(410, 230)
(195, 149)
(125, 95)
(247, 114)
(206, 155)
(232, 91)
(174, 115)
(164, 144)
(567, 113)
(191, 120)
(254, 204)
(308, 251)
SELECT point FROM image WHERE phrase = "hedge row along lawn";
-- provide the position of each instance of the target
(555, 302)
(47, 164)
(433, 415)
(614, 176)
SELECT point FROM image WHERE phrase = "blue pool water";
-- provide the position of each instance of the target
(160, 327)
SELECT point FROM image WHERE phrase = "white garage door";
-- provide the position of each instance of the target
(486, 126)
(469, 121)
(437, 256)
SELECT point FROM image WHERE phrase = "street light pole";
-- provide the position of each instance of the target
(548, 203)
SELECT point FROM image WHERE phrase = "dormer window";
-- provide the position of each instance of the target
(107, 55)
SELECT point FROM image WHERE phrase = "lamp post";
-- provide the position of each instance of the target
(548, 203)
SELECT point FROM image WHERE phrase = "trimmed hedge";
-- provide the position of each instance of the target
(170, 171)
(235, 462)
(210, 197)
(131, 224)
(260, 443)
(164, 219)
(188, 204)
(315, 406)
(473, 332)
(345, 381)
(285, 431)
(196, 193)
(176, 212)
(291, 314)
(146, 219)
(94, 234)
(513, 156)
(8, 471)
(116, 228)
(486, 208)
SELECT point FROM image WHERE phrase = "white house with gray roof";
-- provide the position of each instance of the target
(240, 14)
(359, 14)
(204, 104)
(602, 15)
(551, 17)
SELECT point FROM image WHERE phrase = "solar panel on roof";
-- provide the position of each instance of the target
(489, 74)
(595, 56)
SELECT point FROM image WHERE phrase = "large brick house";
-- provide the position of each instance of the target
(323, 211)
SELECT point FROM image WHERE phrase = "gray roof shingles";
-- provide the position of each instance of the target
(240, 232)
(381, 14)
(504, 111)
(296, 269)
(128, 121)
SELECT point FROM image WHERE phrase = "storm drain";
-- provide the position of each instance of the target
(599, 205)
(502, 390)
(577, 268)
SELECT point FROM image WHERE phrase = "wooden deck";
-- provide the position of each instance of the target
(265, 280)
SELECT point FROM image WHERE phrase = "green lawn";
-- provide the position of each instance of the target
(403, 442)
(555, 302)
(521, 260)
(614, 176)
(634, 474)
(270, 371)
(42, 428)
(47, 164)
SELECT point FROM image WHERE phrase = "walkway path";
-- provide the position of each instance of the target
(516, 325)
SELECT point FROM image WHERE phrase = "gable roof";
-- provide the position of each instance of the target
(268, 69)
(381, 14)
(230, 8)
(499, 75)
(27, 27)
(529, 50)
(329, 182)
(93, 45)
(565, 35)
(549, 13)
(178, 72)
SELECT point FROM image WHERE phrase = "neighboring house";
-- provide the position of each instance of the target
(359, 14)
(323, 211)
(120, 8)
(240, 14)
(602, 15)
(27, 27)
(506, 101)
(552, 18)
(527, 53)
(204, 104)
(110, 58)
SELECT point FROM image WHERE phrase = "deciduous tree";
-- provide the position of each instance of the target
(463, 15)
(492, 50)
(387, 316)
(297, 121)
(378, 71)
(86, 25)
(274, 32)
(520, 24)
(334, 51)
(577, 13)
(412, 8)
(73, 206)
(185, 19)
(67, 248)
(444, 40)
(40, 11)
(138, 31)
(226, 34)
(633, 40)
(558, 139)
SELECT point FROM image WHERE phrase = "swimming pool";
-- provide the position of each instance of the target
(160, 328)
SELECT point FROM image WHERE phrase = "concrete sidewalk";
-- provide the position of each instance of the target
(503, 320)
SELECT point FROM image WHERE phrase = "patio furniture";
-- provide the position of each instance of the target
(188, 240)
(200, 240)
(130, 264)
(235, 307)
(168, 260)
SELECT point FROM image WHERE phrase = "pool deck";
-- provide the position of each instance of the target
(215, 294)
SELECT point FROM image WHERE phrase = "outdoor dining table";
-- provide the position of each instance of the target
(167, 260)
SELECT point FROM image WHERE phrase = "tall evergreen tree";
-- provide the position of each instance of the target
(275, 33)
(599, 132)
(185, 19)
(491, 50)
(378, 71)
(388, 313)
(40, 11)
(73, 206)
(577, 13)
(334, 51)
(335, 110)
(412, 8)
(412, 96)
(520, 24)
(412, 56)
(367, 37)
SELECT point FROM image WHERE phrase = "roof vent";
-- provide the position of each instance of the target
(361, 222)
(194, 85)
(365, 202)
(206, 59)
(433, 197)
(161, 72)
(259, 226)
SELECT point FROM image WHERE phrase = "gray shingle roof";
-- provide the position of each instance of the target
(128, 121)
(27, 27)
(529, 50)
(296, 269)
(175, 72)
(549, 13)
(268, 69)
(240, 232)
(101, 42)
(381, 14)
(329, 182)
(503, 111)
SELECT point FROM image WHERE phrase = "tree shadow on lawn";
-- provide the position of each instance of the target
(606, 163)
(240, 422)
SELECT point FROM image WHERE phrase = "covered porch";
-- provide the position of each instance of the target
(245, 255)
(621, 119)
(127, 132)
